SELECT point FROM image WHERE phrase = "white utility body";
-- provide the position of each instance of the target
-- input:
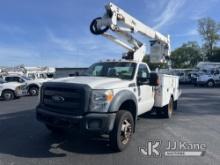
(112, 94)
(168, 86)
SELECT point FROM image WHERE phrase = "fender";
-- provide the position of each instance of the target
(120, 98)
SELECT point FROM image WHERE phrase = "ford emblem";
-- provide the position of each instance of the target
(58, 99)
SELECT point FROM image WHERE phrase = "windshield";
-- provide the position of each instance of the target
(26, 78)
(31, 76)
(44, 76)
(123, 70)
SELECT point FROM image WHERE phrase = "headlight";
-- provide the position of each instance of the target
(101, 100)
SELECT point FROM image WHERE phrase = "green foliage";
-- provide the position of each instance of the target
(208, 29)
(189, 54)
(216, 55)
(186, 56)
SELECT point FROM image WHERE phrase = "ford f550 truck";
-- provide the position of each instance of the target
(112, 94)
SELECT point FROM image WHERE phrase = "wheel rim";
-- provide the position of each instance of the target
(33, 91)
(170, 108)
(7, 96)
(210, 84)
(126, 131)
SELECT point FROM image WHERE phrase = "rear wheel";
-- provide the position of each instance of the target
(33, 91)
(168, 109)
(210, 83)
(8, 95)
(123, 130)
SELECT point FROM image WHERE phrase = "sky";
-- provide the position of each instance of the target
(56, 32)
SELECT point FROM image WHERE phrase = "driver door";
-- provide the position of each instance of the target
(145, 92)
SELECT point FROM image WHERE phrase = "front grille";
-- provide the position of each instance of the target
(75, 98)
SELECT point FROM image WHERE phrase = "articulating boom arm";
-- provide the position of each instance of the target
(124, 26)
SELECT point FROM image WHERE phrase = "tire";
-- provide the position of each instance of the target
(122, 132)
(33, 91)
(210, 83)
(8, 95)
(168, 109)
(54, 129)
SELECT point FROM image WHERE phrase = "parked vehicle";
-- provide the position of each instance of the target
(11, 90)
(33, 86)
(209, 79)
(38, 76)
(208, 65)
(113, 94)
(184, 75)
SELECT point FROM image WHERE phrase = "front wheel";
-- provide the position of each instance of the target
(8, 95)
(123, 130)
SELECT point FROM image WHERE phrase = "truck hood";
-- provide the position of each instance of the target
(96, 82)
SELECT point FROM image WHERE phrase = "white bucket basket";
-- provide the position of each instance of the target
(158, 52)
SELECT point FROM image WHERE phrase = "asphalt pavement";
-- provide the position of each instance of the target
(25, 141)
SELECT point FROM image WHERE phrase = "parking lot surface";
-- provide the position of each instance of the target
(25, 141)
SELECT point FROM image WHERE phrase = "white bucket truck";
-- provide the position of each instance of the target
(113, 94)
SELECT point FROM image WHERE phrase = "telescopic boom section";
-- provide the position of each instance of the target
(124, 25)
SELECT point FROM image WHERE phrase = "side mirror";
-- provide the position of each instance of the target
(154, 79)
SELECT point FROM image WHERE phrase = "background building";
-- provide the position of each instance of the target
(69, 72)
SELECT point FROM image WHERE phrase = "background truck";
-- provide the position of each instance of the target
(112, 94)
(12, 90)
(209, 79)
(33, 86)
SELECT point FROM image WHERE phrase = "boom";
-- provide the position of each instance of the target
(124, 25)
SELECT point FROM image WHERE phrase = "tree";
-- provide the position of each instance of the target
(216, 55)
(209, 29)
(186, 56)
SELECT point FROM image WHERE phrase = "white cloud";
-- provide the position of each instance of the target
(190, 32)
(169, 13)
(64, 43)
